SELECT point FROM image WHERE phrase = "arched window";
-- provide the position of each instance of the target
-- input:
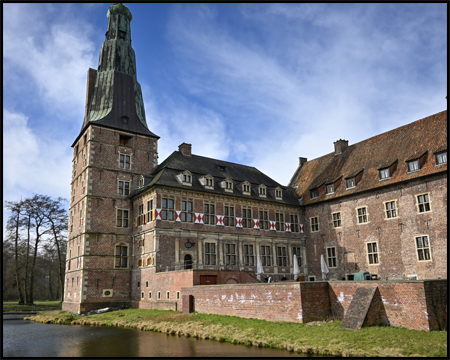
(188, 262)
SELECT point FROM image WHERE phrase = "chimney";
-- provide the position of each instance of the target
(186, 149)
(302, 160)
(340, 146)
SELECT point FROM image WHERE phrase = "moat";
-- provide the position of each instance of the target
(23, 338)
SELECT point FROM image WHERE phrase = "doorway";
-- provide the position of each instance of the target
(187, 262)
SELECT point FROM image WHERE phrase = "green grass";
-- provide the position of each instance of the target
(39, 305)
(325, 338)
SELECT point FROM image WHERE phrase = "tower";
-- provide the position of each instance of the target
(112, 151)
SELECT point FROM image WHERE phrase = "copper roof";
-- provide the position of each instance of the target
(393, 148)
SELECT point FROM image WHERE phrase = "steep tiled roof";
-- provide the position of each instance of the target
(393, 148)
(166, 173)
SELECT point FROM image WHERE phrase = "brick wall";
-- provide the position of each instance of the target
(395, 237)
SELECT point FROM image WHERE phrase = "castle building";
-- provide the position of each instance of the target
(140, 231)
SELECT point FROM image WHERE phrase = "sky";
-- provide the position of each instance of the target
(255, 84)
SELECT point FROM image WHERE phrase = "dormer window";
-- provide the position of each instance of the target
(441, 158)
(185, 178)
(207, 181)
(227, 185)
(262, 190)
(246, 188)
(330, 189)
(314, 193)
(278, 194)
(385, 173)
(141, 181)
(413, 165)
(350, 183)
(125, 119)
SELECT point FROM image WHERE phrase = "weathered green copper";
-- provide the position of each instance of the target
(112, 97)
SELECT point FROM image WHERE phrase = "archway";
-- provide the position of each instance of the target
(188, 262)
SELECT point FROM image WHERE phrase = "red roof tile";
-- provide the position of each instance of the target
(393, 148)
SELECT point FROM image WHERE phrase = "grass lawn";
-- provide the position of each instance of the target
(325, 338)
(39, 305)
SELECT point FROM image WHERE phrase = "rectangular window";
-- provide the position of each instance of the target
(159, 295)
(391, 209)
(146, 284)
(423, 203)
(187, 209)
(124, 161)
(331, 257)
(423, 248)
(178, 295)
(210, 254)
(294, 223)
(385, 173)
(413, 165)
(314, 193)
(149, 210)
(124, 188)
(150, 295)
(122, 218)
(167, 212)
(209, 211)
(141, 214)
(314, 224)
(330, 189)
(441, 158)
(229, 216)
(168, 295)
(282, 257)
(263, 220)
(297, 251)
(248, 255)
(279, 219)
(247, 218)
(230, 254)
(337, 220)
(362, 215)
(350, 183)
(372, 252)
(266, 258)
(142, 295)
(121, 256)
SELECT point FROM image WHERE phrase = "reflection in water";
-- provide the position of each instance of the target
(27, 339)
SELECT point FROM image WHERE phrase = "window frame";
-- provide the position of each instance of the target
(328, 188)
(331, 257)
(314, 193)
(363, 216)
(123, 162)
(230, 254)
(209, 217)
(375, 259)
(425, 204)
(124, 188)
(187, 215)
(388, 212)
(297, 251)
(264, 219)
(249, 257)
(121, 257)
(167, 212)
(385, 173)
(279, 221)
(352, 180)
(413, 165)
(294, 223)
(337, 220)
(440, 155)
(121, 212)
(210, 253)
(229, 215)
(150, 210)
(282, 255)
(266, 256)
(262, 191)
(314, 224)
(423, 248)
(247, 220)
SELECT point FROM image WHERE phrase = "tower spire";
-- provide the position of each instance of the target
(114, 96)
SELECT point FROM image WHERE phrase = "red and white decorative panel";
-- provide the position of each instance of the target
(272, 225)
(219, 220)
(157, 214)
(239, 222)
(302, 228)
(177, 215)
(288, 227)
(79, 262)
(198, 218)
(255, 223)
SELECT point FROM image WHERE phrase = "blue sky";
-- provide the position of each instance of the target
(257, 84)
